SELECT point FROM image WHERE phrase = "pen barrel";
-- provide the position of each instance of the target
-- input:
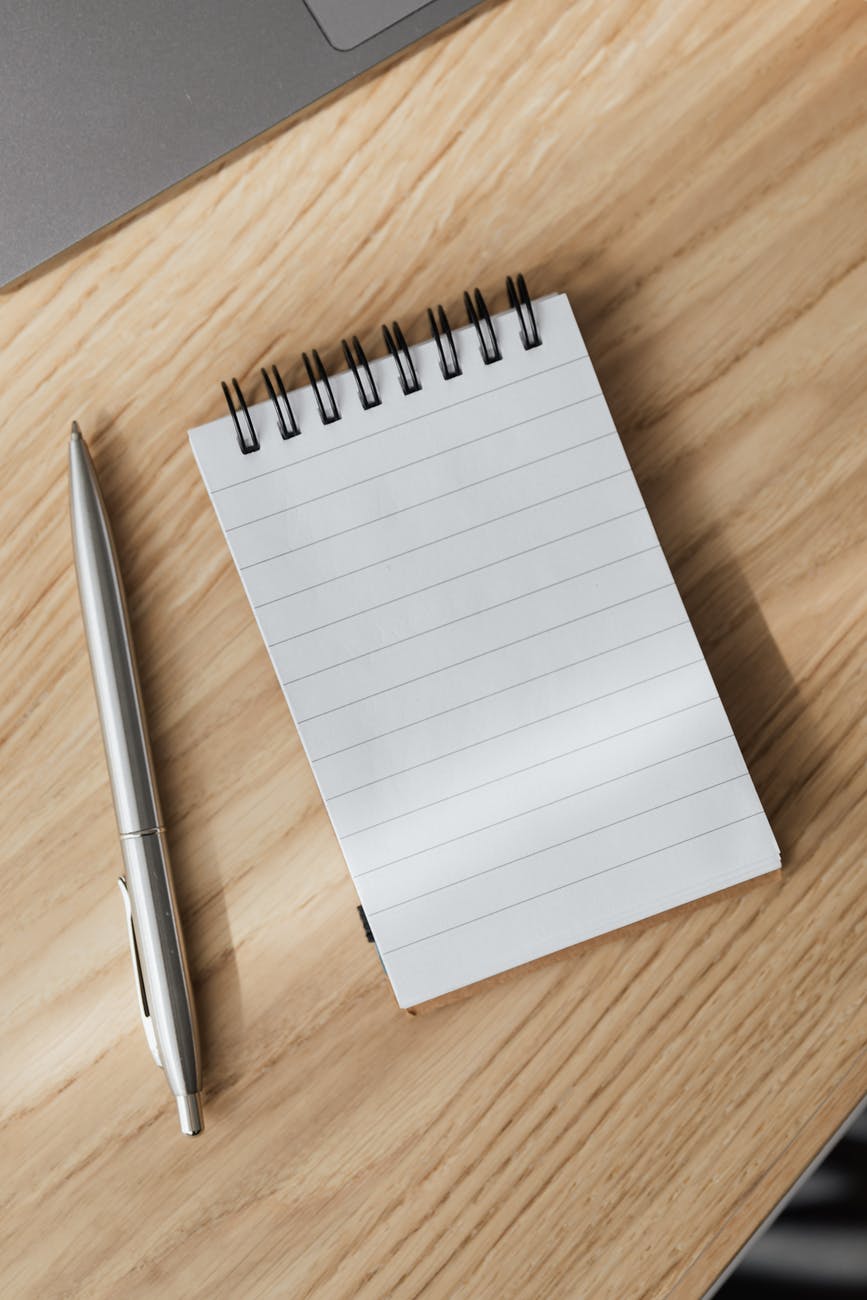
(156, 941)
(163, 960)
(115, 675)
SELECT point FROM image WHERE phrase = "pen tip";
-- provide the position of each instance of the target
(76, 432)
(190, 1112)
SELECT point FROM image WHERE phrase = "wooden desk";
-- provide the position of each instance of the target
(613, 1125)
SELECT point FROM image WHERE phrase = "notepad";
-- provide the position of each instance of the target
(489, 665)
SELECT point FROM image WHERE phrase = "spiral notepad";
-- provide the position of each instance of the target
(491, 670)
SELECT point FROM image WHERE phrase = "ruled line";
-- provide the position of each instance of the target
(445, 451)
(545, 893)
(441, 582)
(434, 455)
(552, 803)
(614, 735)
(491, 564)
(401, 424)
(511, 730)
(502, 690)
(506, 645)
(549, 848)
(369, 523)
(420, 591)
(573, 794)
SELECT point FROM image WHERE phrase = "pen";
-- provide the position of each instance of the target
(156, 942)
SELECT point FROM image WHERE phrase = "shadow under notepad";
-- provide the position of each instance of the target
(763, 702)
(757, 690)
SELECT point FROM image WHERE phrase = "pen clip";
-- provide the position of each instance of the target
(146, 1020)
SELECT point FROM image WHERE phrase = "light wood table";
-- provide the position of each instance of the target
(611, 1125)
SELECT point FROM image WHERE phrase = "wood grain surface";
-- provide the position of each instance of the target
(611, 1125)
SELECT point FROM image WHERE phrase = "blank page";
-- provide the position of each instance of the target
(491, 670)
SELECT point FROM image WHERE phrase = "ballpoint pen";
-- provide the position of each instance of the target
(156, 943)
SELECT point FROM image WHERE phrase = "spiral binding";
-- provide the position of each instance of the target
(398, 348)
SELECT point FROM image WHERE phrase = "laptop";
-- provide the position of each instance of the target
(105, 103)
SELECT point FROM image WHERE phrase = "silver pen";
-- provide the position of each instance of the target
(156, 943)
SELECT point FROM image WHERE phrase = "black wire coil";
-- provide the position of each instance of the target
(399, 350)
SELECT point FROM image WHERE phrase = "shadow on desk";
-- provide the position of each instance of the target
(774, 728)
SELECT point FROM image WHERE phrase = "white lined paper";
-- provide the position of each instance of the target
(491, 670)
